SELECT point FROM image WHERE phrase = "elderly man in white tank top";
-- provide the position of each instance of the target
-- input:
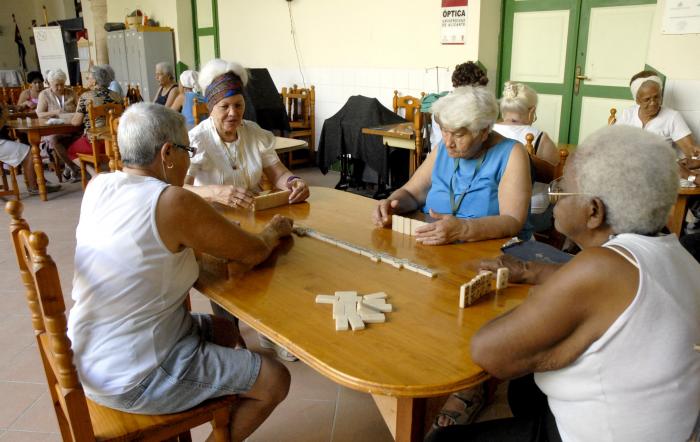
(610, 334)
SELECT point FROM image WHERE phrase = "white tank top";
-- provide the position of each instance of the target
(128, 287)
(641, 380)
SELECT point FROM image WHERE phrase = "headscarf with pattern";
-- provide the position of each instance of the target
(223, 86)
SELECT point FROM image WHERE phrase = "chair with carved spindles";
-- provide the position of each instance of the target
(9, 186)
(98, 116)
(612, 119)
(80, 419)
(200, 111)
(300, 104)
(408, 107)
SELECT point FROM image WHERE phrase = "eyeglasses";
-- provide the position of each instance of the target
(192, 151)
(555, 191)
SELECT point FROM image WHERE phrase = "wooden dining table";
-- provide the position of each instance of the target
(36, 128)
(680, 209)
(421, 351)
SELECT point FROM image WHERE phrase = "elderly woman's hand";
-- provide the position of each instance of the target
(381, 217)
(446, 230)
(232, 196)
(300, 191)
(516, 267)
(690, 163)
(280, 226)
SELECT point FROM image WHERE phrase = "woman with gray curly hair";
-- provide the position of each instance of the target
(608, 335)
(475, 184)
(98, 80)
(168, 91)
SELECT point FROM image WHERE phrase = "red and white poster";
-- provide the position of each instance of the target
(454, 22)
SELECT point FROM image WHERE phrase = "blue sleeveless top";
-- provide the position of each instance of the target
(478, 177)
(187, 106)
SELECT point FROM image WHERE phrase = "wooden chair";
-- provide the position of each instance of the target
(80, 419)
(545, 173)
(11, 94)
(115, 159)
(9, 188)
(410, 108)
(612, 119)
(300, 104)
(98, 118)
(200, 111)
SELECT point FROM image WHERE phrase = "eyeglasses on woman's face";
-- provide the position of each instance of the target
(555, 191)
(192, 151)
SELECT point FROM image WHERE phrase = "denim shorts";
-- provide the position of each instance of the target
(195, 370)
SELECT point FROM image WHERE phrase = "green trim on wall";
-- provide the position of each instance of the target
(201, 32)
(180, 67)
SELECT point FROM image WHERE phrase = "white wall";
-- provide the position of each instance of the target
(367, 47)
(678, 57)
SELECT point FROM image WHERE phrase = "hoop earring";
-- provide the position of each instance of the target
(170, 166)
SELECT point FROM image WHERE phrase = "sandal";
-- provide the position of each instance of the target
(461, 407)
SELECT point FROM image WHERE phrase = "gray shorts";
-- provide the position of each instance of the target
(195, 370)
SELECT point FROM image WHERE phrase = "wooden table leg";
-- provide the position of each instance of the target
(34, 140)
(411, 162)
(405, 417)
(675, 221)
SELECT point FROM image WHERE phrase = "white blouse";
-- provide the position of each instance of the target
(239, 163)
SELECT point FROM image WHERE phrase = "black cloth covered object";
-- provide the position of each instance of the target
(342, 134)
(263, 102)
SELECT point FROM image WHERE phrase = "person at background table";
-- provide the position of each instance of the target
(233, 154)
(465, 74)
(53, 102)
(98, 80)
(609, 335)
(476, 183)
(650, 115)
(134, 267)
(14, 153)
(114, 85)
(689, 169)
(168, 91)
(518, 113)
(190, 90)
(29, 98)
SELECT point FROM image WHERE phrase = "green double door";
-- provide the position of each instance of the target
(205, 23)
(578, 55)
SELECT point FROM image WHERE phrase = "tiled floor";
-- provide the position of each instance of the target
(315, 410)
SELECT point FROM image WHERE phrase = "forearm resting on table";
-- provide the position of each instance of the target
(407, 201)
(537, 272)
(490, 227)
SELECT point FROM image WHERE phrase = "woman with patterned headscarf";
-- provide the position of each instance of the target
(233, 153)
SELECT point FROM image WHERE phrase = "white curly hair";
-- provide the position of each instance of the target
(217, 67)
(634, 173)
(467, 107)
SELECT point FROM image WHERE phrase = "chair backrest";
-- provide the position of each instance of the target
(410, 105)
(200, 111)
(300, 104)
(98, 114)
(45, 299)
(544, 171)
(612, 119)
(11, 94)
(113, 128)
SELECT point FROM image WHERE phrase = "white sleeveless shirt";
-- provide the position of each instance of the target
(128, 287)
(640, 381)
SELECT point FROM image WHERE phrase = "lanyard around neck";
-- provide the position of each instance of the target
(454, 205)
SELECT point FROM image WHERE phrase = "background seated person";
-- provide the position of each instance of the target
(614, 327)
(98, 80)
(29, 98)
(476, 183)
(13, 154)
(54, 101)
(648, 114)
(189, 81)
(518, 113)
(233, 153)
(134, 267)
(168, 91)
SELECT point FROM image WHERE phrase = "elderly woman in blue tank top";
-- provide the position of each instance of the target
(475, 183)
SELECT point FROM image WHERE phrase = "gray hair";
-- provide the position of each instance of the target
(217, 67)
(56, 75)
(634, 173)
(166, 68)
(144, 128)
(518, 98)
(467, 107)
(102, 74)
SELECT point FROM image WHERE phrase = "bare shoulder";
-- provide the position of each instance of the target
(180, 202)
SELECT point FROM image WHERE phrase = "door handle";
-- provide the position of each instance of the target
(580, 76)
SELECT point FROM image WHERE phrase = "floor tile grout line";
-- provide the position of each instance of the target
(335, 412)
(25, 411)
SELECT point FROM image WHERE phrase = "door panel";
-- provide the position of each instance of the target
(205, 17)
(206, 49)
(595, 112)
(539, 51)
(548, 113)
(205, 22)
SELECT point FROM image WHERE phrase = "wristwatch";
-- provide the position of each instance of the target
(691, 178)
